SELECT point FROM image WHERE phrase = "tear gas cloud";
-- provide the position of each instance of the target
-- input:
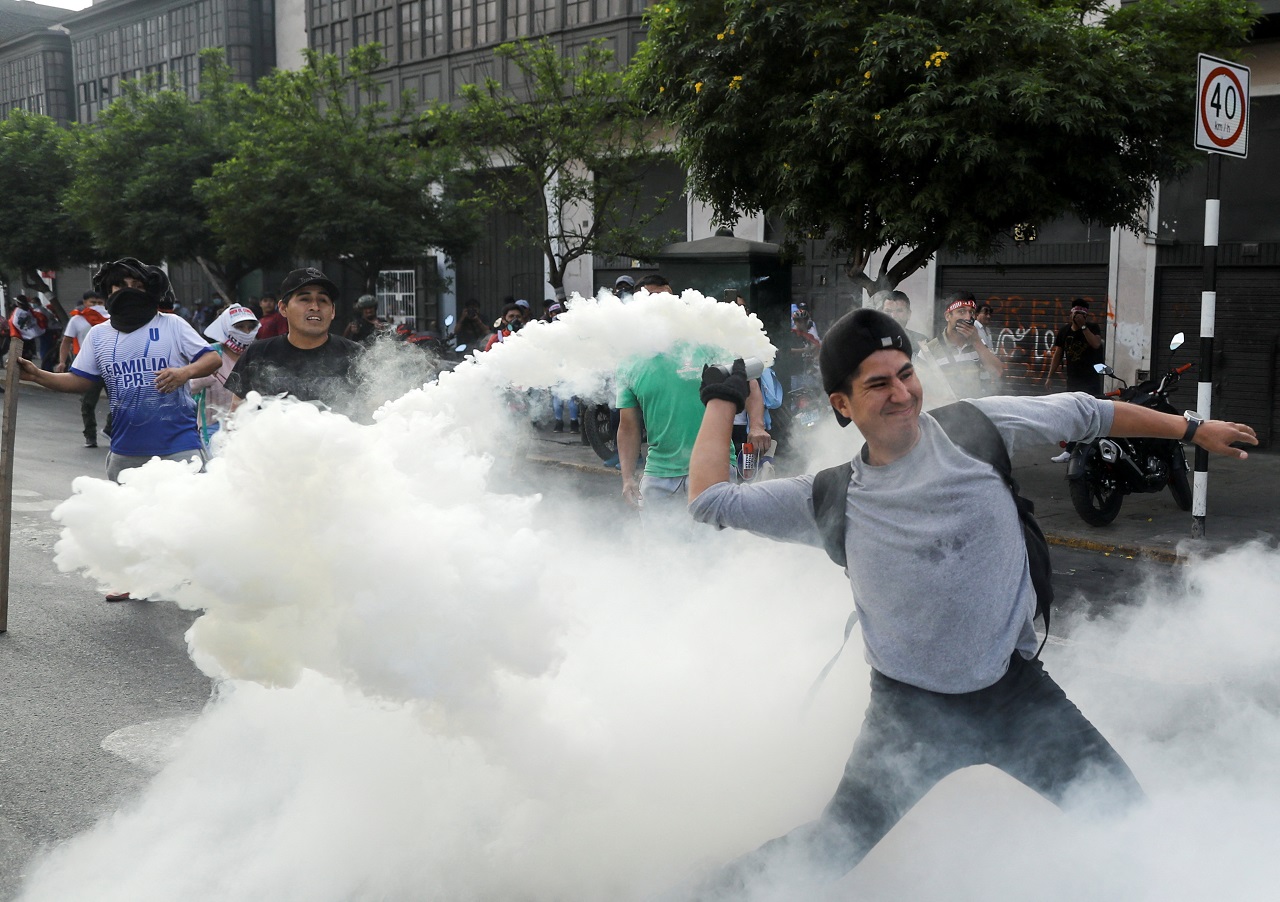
(429, 686)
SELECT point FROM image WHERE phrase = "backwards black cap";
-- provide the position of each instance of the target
(852, 339)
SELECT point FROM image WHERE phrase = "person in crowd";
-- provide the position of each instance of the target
(959, 355)
(145, 359)
(24, 324)
(658, 395)
(558, 403)
(1076, 348)
(508, 324)
(307, 362)
(272, 322)
(956, 680)
(232, 333)
(898, 305)
(624, 287)
(470, 329)
(90, 312)
(366, 325)
(525, 311)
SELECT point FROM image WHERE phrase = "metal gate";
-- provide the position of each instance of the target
(398, 297)
(1031, 304)
(1246, 350)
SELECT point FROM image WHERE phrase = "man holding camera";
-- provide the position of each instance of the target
(943, 592)
(959, 352)
(1077, 347)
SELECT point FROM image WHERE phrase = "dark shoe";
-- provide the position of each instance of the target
(117, 596)
(91, 443)
(558, 427)
(573, 425)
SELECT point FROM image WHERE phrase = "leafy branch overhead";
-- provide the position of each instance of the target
(325, 166)
(906, 126)
(570, 148)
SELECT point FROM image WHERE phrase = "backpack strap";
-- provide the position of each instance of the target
(830, 496)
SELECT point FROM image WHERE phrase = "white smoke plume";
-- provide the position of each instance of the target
(429, 687)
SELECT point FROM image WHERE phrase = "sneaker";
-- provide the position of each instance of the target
(117, 596)
(1061, 458)
(573, 425)
(558, 427)
(91, 443)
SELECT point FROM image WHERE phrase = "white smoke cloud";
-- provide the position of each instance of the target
(432, 687)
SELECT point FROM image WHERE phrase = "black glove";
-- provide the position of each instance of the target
(732, 387)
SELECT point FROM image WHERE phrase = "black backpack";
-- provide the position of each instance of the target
(974, 432)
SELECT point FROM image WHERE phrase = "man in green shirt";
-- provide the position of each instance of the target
(660, 394)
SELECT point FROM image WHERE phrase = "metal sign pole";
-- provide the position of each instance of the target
(1208, 313)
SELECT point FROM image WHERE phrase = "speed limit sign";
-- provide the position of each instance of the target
(1222, 107)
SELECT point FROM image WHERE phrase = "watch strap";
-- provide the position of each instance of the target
(1192, 426)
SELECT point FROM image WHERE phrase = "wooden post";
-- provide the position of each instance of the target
(7, 438)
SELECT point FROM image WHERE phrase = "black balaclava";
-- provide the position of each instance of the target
(131, 309)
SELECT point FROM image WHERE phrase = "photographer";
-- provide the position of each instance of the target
(959, 352)
(470, 330)
(1077, 347)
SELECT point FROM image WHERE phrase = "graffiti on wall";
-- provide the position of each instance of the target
(1024, 330)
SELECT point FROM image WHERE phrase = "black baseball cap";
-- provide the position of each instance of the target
(852, 339)
(300, 278)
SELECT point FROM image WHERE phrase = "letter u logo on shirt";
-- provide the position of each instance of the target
(154, 334)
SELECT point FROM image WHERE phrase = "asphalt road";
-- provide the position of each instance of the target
(91, 692)
(78, 676)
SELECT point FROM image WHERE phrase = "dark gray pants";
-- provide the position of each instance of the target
(89, 412)
(911, 738)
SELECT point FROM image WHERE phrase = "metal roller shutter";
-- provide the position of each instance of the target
(1246, 340)
(1031, 304)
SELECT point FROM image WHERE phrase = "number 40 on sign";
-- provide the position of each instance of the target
(1222, 107)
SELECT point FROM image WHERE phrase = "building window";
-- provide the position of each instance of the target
(545, 16)
(486, 21)
(433, 35)
(577, 12)
(410, 31)
(384, 32)
(341, 38)
(463, 34)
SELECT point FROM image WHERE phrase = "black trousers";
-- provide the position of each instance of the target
(88, 412)
(911, 738)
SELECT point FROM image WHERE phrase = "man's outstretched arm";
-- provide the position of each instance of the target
(709, 462)
(1215, 436)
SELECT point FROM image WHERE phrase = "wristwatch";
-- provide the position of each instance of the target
(1193, 423)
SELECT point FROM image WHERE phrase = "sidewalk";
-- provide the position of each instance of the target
(1244, 503)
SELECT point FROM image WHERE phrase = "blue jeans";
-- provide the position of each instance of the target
(911, 738)
(558, 405)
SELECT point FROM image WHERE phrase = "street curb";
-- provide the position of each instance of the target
(1161, 555)
(572, 465)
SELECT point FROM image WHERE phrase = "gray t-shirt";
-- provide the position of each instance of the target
(937, 559)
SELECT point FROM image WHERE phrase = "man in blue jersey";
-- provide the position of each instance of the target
(145, 360)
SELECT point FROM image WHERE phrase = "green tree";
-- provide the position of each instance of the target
(36, 232)
(325, 168)
(566, 147)
(906, 125)
(137, 167)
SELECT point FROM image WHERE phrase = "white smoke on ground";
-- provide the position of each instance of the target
(426, 691)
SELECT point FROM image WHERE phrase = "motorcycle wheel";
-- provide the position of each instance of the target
(1097, 500)
(595, 426)
(1180, 488)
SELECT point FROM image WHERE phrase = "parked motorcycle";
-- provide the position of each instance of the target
(1103, 471)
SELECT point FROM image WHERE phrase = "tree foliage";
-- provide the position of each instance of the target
(36, 166)
(137, 167)
(570, 148)
(324, 167)
(905, 125)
